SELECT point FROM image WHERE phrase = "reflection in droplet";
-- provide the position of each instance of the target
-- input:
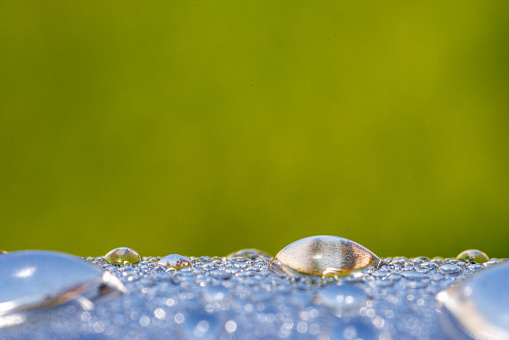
(322, 256)
(478, 306)
(174, 261)
(346, 296)
(39, 279)
(473, 255)
(122, 256)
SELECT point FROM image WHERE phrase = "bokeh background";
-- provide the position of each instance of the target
(200, 128)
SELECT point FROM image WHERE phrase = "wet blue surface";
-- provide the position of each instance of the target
(238, 298)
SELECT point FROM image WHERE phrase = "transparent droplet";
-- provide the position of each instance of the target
(38, 279)
(322, 256)
(342, 297)
(250, 253)
(122, 256)
(478, 306)
(450, 269)
(174, 261)
(473, 255)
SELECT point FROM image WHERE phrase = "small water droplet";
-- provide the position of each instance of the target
(473, 255)
(122, 256)
(250, 253)
(175, 261)
(346, 296)
(450, 269)
(477, 306)
(322, 256)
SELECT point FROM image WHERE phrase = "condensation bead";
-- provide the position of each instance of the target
(450, 269)
(122, 256)
(175, 261)
(473, 255)
(322, 256)
(250, 253)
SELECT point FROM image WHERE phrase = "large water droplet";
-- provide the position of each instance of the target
(478, 306)
(37, 279)
(122, 256)
(322, 256)
(174, 261)
(473, 255)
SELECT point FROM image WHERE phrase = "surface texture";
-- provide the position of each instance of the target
(238, 298)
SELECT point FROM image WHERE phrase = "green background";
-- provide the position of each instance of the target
(200, 127)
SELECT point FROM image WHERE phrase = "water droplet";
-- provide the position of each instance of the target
(250, 253)
(420, 259)
(122, 256)
(322, 256)
(473, 255)
(477, 306)
(342, 297)
(37, 279)
(450, 269)
(174, 261)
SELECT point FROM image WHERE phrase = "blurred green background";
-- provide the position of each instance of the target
(200, 128)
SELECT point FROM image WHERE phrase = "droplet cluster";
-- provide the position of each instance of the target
(238, 297)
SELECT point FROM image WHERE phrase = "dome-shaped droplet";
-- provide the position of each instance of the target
(174, 261)
(450, 269)
(478, 306)
(38, 279)
(122, 256)
(473, 255)
(322, 256)
(250, 253)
